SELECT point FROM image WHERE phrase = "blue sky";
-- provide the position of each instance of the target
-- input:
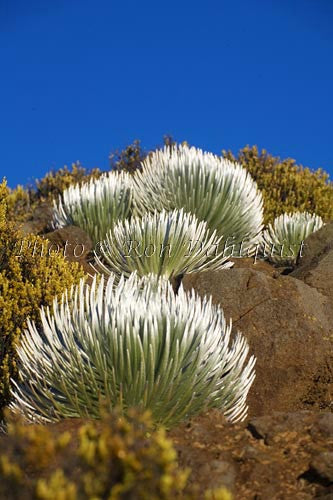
(80, 78)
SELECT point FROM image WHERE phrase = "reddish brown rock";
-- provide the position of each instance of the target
(316, 266)
(40, 221)
(74, 244)
(289, 327)
(72, 241)
(257, 265)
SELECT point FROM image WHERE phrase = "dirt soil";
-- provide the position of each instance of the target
(284, 456)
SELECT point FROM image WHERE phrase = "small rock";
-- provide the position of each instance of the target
(40, 221)
(256, 265)
(316, 266)
(221, 473)
(325, 424)
(71, 241)
(322, 464)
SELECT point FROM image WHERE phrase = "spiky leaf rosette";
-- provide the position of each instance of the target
(134, 344)
(283, 239)
(165, 243)
(216, 190)
(95, 206)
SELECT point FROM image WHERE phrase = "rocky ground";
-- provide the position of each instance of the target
(280, 456)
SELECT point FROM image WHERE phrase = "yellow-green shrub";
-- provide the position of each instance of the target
(129, 159)
(116, 458)
(19, 204)
(22, 201)
(285, 186)
(56, 181)
(29, 278)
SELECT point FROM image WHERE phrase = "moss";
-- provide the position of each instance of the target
(30, 277)
(285, 186)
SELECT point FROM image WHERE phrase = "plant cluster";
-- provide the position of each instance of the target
(226, 194)
(137, 344)
(168, 244)
(97, 205)
(28, 280)
(20, 204)
(215, 190)
(283, 239)
(181, 195)
(285, 186)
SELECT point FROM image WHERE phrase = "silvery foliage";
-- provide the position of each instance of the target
(215, 189)
(134, 344)
(96, 205)
(282, 240)
(168, 244)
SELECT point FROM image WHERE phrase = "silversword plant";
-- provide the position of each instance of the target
(135, 344)
(282, 240)
(97, 205)
(168, 244)
(216, 190)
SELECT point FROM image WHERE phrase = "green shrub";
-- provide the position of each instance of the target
(22, 201)
(116, 458)
(285, 186)
(56, 181)
(129, 159)
(20, 204)
(28, 280)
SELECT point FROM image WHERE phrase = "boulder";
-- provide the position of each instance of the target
(73, 243)
(40, 221)
(315, 267)
(289, 327)
(257, 265)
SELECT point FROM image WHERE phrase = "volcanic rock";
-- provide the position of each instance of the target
(316, 266)
(289, 327)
